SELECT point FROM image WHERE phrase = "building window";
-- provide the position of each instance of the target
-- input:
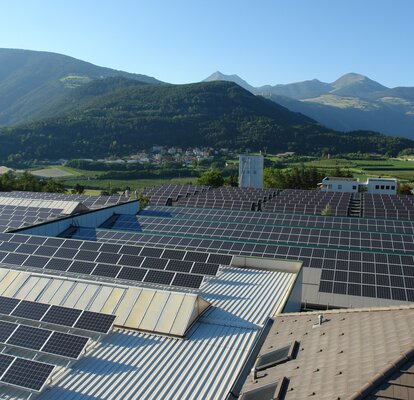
(387, 187)
(339, 186)
(353, 187)
(377, 187)
(392, 187)
(382, 187)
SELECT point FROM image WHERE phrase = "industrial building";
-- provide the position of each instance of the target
(102, 300)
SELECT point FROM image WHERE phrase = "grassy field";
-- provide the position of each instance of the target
(399, 169)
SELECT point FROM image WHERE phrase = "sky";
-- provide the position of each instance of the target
(262, 41)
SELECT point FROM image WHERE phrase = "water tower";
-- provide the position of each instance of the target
(251, 171)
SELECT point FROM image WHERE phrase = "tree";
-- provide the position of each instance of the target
(212, 178)
(232, 180)
(52, 186)
(404, 188)
(327, 210)
(78, 189)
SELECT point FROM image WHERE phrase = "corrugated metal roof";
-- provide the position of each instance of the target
(131, 365)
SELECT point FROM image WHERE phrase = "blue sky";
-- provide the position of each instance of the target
(263, 41)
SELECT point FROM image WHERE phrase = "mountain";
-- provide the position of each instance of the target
(31, 81)
(118, 116)
(352, 102)
(218, 76)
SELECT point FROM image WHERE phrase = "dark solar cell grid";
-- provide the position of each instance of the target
(65, 253)
(7, 304)
(5, 361)
(220, 259)
(108, 258)
(28, 374)
(29, 337)
(86, 255)
(65, 345)
(58, 264)
(186, 280)
(61, 315)
(179, 266)
(82, 267)
(173, 254)
(205, 269)
(71, 244)
(160, 277)
(154, 263)
(133, 274)
(6, 329)
(131, 260)
(151, 252)
(107, 270)
(30, 310)
(95, 322)
(196, 256)
(36, 261)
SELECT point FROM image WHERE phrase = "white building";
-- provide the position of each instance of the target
(339, 184)
(353, 185)
(381, 186)
(251, 171)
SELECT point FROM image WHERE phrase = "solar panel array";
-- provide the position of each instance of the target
(388, 206)
(132, 263)
(234, 198)
(42, 340)
(309, 202)
(67, 317)
(276, 234)
(357, 256)
(163, 194)
(24, 374)
(88, 201)
(308, 221)
(14, 217)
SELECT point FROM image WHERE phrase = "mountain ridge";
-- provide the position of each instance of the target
(351, 102)
(32, 80)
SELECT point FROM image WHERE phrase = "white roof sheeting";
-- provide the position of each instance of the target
(67, 207)
(157, 311)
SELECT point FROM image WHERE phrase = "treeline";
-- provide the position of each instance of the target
(28, 182)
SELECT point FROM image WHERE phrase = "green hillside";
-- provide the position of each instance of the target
(31, 81)
(119, 117)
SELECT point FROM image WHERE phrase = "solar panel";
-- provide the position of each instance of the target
(186, 280)
(196, 256)
(7, 304)
(58, 264)
(29, 337)
(61, 315)
(6, 329)
(27, 374)
(106, 270)
(220, 259)
(179, 266)
(95, 322)
(5, 362)
(131, 260)
(82, 267)
(30, 310)
(154, 263)
(205, 269)
(133, 274)
(173, 254)
(65, 345)
(160, 277)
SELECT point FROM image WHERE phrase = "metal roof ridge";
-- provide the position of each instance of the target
(350, 310)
